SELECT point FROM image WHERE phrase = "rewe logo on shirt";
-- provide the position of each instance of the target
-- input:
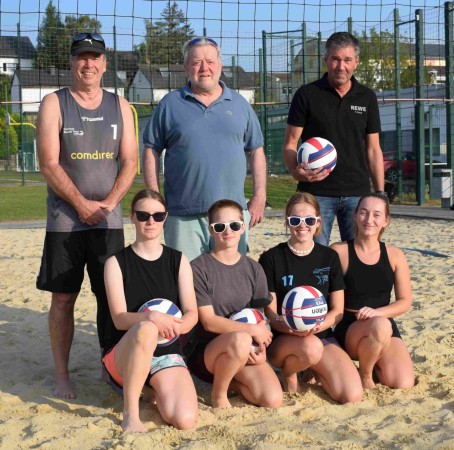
(358, 109)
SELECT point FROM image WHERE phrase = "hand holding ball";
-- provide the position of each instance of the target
(318, 153)
(250, 315)
(166, 307)
(303, 308)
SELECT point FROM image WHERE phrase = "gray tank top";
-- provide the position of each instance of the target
(89, 146)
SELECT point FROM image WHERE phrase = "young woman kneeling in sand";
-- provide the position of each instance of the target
(302, 262)
(143, 271)
(371, 269)
(226, 281)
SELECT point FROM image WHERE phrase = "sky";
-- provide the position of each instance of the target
(225, 20)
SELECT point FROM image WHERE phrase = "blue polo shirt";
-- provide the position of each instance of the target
(205, 158)
(345, 122)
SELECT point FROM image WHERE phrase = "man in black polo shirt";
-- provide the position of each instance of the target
(338, 108)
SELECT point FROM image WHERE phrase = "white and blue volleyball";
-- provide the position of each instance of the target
(303, 308)
(166, 307)
(318, 152)
(250, 315)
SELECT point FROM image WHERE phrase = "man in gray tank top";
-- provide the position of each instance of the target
(88, 156)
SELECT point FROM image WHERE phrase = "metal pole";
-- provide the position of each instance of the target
(320, 54)
(419, 109)
(398, 106)
(449, 55)
(115, 60)
(431, 144)
(21, 108)
(304, 54)
(292, 68)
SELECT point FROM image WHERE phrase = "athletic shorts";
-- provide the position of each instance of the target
(65, 255)
(158, 363)
(349, 317)
(196, 363)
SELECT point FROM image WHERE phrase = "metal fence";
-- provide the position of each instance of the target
(269, 49)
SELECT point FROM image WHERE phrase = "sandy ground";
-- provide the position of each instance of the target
(418, 418)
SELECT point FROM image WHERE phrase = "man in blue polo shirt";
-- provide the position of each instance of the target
(208, 132)
(338, 108)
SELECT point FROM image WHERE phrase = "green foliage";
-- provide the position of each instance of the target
(55, 37)
(377, 59)
(377, 62)
(165, 38)
(8, 138)
(50, 47)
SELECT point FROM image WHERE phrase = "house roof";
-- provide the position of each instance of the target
(9, 47)
(57, 78)
(126, 60)
(174, 76)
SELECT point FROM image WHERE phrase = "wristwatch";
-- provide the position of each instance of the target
(380, 192)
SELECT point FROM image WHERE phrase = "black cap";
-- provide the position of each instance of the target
(88, 44)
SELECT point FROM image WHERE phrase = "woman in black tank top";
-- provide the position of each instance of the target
(371, 270)
(133, 357)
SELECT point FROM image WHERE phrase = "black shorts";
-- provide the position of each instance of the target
(66, 254)
(196, 363)
(349, 317)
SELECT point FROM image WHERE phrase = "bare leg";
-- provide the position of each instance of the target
(61, 331)
(176, 397)
(338, 374)
(395, 367)
(294, 354)
(259, 385)
(366, 340)
(133, 356)
(224, 357)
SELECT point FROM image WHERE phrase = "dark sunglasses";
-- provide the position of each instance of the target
(199, 39)
(81, 36)
(143, 216)
(295, 221)
(219, 227)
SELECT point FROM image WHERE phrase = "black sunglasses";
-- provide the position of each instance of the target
(143, 216)
(219, 227)
(295, 221)
(81, 36)
(199, 39)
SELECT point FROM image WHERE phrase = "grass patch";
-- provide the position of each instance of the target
(29, 202)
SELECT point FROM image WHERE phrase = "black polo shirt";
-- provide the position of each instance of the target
(344, 121)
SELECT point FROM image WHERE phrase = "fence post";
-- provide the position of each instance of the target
(398, 107)
(449, 83)
(419, 110)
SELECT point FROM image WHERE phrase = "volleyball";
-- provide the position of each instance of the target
(166, 307)
(318, 152)
(250, 315)
(303, 308)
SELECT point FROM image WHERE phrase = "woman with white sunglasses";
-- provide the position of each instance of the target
(225, 281)
(302, 262)
(142, 271)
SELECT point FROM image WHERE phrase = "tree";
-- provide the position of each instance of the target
(54, 37)
(50, 46)
(75, 25)
(165, 38)
(377, 62)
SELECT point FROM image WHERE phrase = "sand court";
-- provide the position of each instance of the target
(418, 418)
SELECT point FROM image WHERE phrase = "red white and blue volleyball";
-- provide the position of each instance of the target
(166, 307)
(303, 308)
(318, 152)
(250, 315)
